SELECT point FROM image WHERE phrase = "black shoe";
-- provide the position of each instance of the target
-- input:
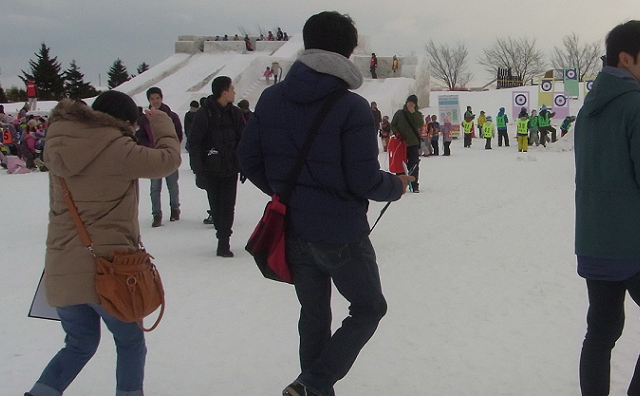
(208, 220)
(157, 221)
(297, 389)
(175, 215)
(415, 190)
(224, 252)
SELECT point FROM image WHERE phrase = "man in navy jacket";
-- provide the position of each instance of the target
(327, 227)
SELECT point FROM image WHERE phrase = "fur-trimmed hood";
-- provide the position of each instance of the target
(68, 110)
(78, 134)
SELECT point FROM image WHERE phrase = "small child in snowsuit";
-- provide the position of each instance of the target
(522, 126)
(446, 136)
(501, 123)
(268, 73)
(434, 131)
(533, 128)
(385, 132)
(425, 146)
(488, 132)
(566, 125)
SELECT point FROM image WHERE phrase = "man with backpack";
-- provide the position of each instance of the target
(214, 137)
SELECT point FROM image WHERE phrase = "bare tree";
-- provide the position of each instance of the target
(584, 56)
(449, 64)
(518, 54)
(261, 30)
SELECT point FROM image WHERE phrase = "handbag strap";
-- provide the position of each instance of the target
(82, 231)
(413, 127)
(313, 132)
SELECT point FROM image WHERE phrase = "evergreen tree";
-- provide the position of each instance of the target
(15, 94)
(3, 96)
(46, 73)
(143, 67)
(118, 74)
(75, 86)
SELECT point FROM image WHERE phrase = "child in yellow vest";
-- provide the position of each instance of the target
(467, 127)
(488, 132)
(523, 131)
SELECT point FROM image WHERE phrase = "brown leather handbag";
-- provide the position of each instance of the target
(128, 283)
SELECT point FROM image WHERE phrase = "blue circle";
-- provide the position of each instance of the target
(520, 99)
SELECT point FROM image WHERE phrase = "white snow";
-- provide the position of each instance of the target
(478, 270)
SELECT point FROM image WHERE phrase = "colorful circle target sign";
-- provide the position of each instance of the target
(520, 99)
(571, 74)
(589, 85)
(560, 100)
(546, 86)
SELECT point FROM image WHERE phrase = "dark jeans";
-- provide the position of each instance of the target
(447, 148)
(436, 147)
(487, 145)
(221, 192)
(543, 133)
(326, 358)
(502, 134)
(372, 69)
(413, 164)
(605, 321)
(467, 140)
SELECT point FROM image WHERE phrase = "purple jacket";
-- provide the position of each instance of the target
(144, 134)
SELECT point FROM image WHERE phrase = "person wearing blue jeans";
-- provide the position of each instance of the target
(326, 358)
(145, 137)
(81, 324)
(327, 232)
(93, 157)
(174, 196)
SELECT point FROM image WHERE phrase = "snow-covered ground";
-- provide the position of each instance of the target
(478, 270)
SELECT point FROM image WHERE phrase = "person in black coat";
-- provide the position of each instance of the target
(215, 133)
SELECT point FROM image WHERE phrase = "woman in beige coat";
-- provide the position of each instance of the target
(95, 151)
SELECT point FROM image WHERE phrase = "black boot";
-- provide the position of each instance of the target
(208, 220)
(175, 215)
(157, 221)
(224, 249)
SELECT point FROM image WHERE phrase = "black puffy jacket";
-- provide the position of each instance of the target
(214, 137)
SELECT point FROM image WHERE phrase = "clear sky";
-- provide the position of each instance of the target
(97, 32)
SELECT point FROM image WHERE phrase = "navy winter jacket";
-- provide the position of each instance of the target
(329, 203)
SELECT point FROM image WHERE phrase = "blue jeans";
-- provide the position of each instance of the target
(81, 323)
(326, 358)
(156, 190)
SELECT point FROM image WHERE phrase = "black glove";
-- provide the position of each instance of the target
(201, 180)
(243, 178)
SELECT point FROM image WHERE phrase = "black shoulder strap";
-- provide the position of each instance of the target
(313, 132)
(413, 127)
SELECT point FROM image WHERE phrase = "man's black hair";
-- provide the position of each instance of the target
(117, 104)
(219, 85)
(154, 90)
(623, 38)
(330, 31)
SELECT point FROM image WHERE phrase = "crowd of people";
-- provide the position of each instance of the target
(327, 228)
(420, 137)
(279, 36)
(23, 141)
